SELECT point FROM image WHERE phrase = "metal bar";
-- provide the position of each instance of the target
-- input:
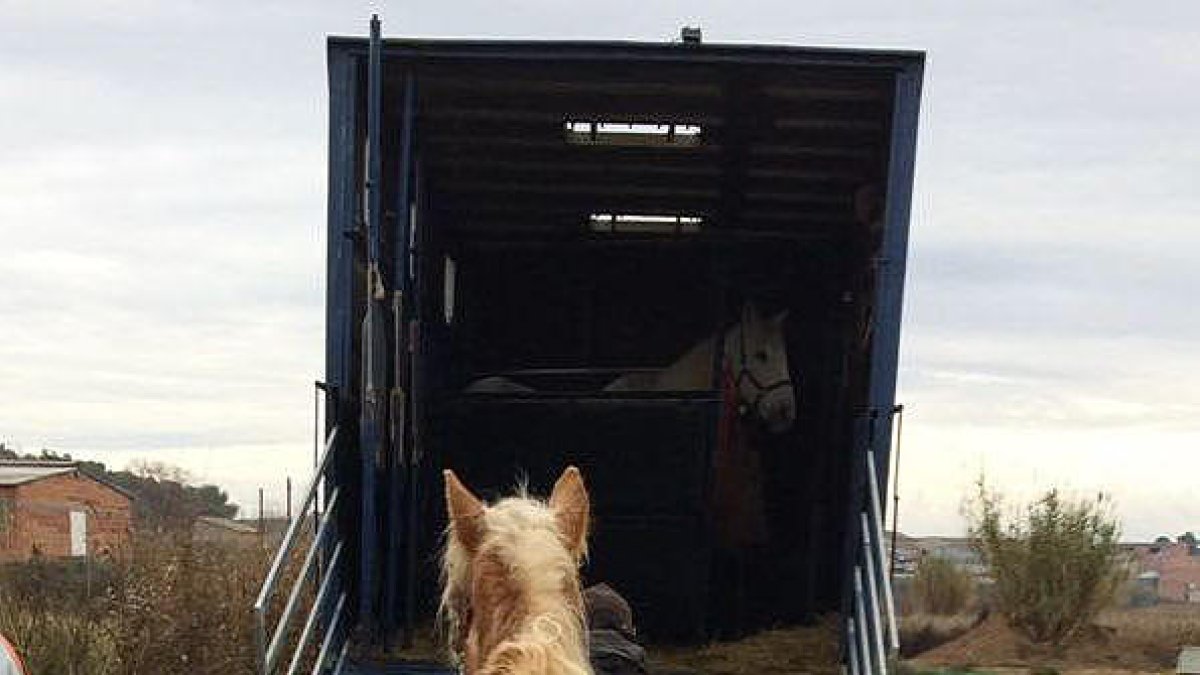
(863, 431)
(899, 411)
(876, 552)
(374, 351)
(285, 618)
(331, 633)
(873, 583)
(374, 139)
(420, 236)
(260, 638)
(316, 455)
(852, 647)
(341, 662)
(401, 352)
(310, 622)
(860, 614)
(289, 539)
(285, 550)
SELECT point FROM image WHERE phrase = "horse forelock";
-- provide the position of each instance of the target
(515, 605)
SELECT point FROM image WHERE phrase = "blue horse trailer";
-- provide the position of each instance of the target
(555, 213)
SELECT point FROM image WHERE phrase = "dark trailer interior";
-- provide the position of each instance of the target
(557, 213)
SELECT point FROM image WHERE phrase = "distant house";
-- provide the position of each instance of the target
(225, 532)
(54, 509)
(241, 533)
(1177, 566)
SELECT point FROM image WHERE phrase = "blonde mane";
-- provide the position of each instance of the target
(511, 599)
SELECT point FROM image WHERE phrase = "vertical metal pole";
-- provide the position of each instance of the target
(852, 647)
(415, 353)
(261, 528)
(402, 355)
(860, 612)
(878, 627)
(316, 465)
(875, 552)
(374, 349)
(899, 410)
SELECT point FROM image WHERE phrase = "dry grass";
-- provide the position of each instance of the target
(170, 607)
(1157, 632)
(790, 651)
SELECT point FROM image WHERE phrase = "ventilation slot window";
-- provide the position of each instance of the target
(636, 223)
(632, 133)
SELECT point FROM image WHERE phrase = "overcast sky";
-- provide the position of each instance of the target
(162, 179)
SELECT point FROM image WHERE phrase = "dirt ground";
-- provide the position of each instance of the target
(785, 651)
(1144, 640)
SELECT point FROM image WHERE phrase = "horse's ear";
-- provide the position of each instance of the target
(572, 510)
(465, 511)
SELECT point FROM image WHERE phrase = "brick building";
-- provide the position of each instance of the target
(1177, 569)
(57, 510)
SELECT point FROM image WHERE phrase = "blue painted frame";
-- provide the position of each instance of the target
(889, 299)
(342, 209)
(873, 426)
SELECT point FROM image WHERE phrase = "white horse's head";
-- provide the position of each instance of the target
(756, 351)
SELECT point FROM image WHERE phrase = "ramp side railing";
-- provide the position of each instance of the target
(323, 566)
(872, 635)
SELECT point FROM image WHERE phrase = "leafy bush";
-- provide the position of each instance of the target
(1055, 566)
(940, 587)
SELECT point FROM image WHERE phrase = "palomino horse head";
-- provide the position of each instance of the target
(756, 351)
(511, 595)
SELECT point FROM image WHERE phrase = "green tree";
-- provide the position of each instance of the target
(1055, 565)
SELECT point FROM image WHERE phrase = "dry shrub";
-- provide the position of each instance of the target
(940, 587)
(44, 611)
(184, 607)
(170, 606)
(1055, 567)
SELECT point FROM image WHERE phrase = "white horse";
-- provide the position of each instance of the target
(754, 358)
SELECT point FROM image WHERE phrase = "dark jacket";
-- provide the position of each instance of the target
(611, 633)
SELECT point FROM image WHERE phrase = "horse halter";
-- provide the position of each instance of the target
(745, 373)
